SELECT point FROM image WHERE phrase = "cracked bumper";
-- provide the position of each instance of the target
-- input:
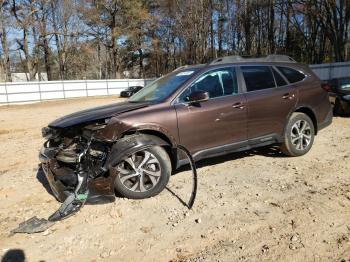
(46, 157)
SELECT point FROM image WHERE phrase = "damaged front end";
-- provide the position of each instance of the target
(72, 151)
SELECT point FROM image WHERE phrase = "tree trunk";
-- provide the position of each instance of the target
(6, 57)
(212, 47)
(57, 40)
(271, 29)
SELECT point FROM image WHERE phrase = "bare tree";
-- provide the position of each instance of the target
(4, 5)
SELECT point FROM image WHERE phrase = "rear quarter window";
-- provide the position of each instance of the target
(292, 75)
(279, 80)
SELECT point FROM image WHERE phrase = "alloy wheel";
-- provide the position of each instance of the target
(140, 172)
(301, 135)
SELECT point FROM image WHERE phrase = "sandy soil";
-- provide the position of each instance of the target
(251, 206)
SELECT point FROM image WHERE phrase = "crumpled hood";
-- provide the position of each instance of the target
(94, 114)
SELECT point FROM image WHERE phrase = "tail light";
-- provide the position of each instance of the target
(327, 87)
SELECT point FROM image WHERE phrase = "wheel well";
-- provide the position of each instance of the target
(172, 153)
(309, 113)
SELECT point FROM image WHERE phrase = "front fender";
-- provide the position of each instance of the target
(128, 145)
(117, 128)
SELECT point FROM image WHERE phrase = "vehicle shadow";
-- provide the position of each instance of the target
(268, 151)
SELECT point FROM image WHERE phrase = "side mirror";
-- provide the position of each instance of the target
(198, 96)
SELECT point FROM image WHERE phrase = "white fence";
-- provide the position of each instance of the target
(19, 92)
(332, 70)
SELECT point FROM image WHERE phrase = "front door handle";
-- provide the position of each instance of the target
(288, 96)
(238, 105)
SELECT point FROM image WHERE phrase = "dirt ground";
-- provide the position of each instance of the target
(251, 206)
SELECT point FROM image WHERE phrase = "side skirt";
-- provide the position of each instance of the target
(234, 147)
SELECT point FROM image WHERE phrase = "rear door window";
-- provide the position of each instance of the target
(292, 75)
(258, 77)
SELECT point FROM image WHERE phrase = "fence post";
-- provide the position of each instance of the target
(107, 87)
(39, 91)
(7, 97)
(87, 94)
(64, 92)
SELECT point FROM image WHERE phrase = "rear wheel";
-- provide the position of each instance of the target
(298, 136)
(143, 174)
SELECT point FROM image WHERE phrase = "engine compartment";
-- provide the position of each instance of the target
(76, 149)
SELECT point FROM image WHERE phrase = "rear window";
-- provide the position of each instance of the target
(291, 74)
(257, 77)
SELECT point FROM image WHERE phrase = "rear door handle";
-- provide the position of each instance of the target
(288, 96)
(238, 105)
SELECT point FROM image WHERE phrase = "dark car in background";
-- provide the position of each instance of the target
(340, 95)
(130, 91)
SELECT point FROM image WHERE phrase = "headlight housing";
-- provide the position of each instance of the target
(49, 133)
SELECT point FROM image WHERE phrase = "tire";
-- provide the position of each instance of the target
(298, 139)
(338, 108)
(135, 180)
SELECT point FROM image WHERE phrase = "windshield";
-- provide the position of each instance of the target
(163, 87)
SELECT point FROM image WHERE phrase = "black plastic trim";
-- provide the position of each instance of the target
(234, 147)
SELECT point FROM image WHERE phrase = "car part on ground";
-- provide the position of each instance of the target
(33, 225)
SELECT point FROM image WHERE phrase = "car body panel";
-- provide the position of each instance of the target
(269, 117)
(155, 117)
(197, 122)
(94, 114)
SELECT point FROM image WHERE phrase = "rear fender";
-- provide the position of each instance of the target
(129, 145)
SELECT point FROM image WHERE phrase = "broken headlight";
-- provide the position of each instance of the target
(49, 133)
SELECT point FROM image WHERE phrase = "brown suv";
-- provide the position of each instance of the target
(231, 104)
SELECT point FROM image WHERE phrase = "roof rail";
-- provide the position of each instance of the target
(237, 59)
(180, 67)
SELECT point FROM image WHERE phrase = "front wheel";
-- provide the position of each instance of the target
(143, 174)
(298, 136)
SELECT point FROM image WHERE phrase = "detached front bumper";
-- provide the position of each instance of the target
(101, 189)
(48, 163)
